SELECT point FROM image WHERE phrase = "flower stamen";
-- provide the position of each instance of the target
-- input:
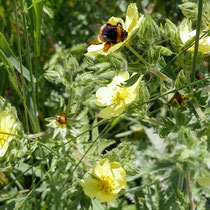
(121, 95)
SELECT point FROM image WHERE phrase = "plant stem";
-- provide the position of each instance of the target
(37, 135)
(16, 181)
(200, 5)
(21, 67)
(102, 132)
(192, 207)
(160, 75)
(86, 162)
(154, 71)
(68, 107)
(157, 122)
(171, 91)
(137, 55)
(30, 67)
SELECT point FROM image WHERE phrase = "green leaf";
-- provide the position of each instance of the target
(28, 169)
(164, 50)
(11, 60)
(131, 81)
(137, 67)
(154, 55)
(96, 205)
(189, 10)
(167, 69)
(37, 18)
(118, 61)
(180, 80)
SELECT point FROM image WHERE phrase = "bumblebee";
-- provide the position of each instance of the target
(110, 34)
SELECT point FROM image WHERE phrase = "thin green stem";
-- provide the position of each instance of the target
(200, 5)
(154, 71)
(102, 132)
(137, 55)
(21, 67)
(30, 67)
(172, 91)
(157, 122)
(70, 91)
(16, 181)
(74, 138)
(160, 75)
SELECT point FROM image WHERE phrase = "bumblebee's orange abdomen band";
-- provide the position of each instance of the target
(119, 34)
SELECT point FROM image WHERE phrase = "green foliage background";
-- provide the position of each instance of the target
(43, 72)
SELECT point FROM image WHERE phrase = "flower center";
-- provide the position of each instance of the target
(121, 95)
(107, 183)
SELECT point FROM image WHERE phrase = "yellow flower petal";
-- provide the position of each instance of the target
(110, 180)
(115, 20)
(104, 196)
(7, 125)
(101, 168)
(117, 170)
(204, 181)
(117, 98)
(131, 17)
(90, 186)
(111, 111)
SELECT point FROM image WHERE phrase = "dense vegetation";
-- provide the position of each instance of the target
(114, 125)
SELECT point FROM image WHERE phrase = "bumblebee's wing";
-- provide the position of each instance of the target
(94, 40)
(95, 28)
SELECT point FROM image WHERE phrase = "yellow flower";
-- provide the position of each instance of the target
(7, 125)
(204, 181)
(115, 97)
(131, 25)
(107, 180)
(204, 43)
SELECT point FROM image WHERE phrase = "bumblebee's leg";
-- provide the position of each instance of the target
(107, 45)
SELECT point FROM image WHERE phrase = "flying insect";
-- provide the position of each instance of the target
(109, 34)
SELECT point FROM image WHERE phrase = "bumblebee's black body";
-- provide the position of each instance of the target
(110, 34)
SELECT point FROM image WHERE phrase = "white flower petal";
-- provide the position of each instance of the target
(104, 96)
(4, 149)
(184, 34)
(120, 78)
